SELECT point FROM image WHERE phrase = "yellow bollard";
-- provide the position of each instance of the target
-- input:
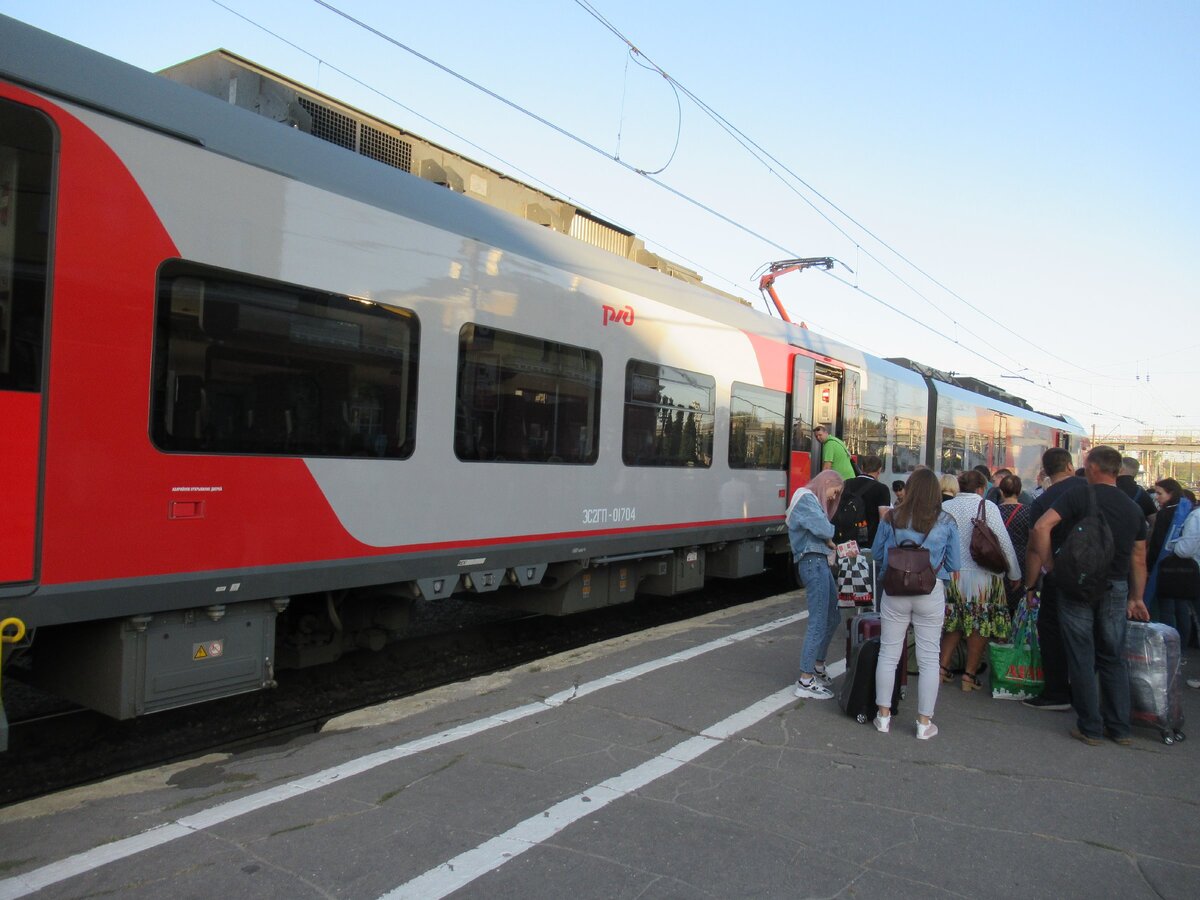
(7, 638)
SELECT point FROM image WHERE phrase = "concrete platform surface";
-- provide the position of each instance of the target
(674, 763)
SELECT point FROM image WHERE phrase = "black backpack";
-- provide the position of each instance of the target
(1082, 562)
(850, 520)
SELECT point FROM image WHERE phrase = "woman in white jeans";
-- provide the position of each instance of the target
(917, 518)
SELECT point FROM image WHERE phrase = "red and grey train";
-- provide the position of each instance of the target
(260, 394)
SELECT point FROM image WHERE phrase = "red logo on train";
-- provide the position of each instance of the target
(612, 314)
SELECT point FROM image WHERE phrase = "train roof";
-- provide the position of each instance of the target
(60, 68)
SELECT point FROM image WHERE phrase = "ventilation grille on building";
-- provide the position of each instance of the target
(338, 128)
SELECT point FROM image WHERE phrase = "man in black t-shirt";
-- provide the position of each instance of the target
(1056, 695)
(1094, 633)
(1134, 491)
(873, 494)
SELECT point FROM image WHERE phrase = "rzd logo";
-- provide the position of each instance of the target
(611, 314)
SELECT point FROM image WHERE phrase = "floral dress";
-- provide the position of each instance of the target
(975, 598)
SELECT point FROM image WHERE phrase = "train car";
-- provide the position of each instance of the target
(262, 394)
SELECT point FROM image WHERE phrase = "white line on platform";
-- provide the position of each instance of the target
(89, 860)
(490, 855)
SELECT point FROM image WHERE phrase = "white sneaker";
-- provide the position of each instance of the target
(823, 679)
(882, 723)
(813, 691)
(925, 732)
(1193, 682)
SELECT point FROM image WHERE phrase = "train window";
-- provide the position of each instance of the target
(668, 416)
(524, 399)
(757, 427)
(26, 168)
(244, 365)
(908, 445)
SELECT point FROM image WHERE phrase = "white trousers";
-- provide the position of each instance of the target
(926, 613)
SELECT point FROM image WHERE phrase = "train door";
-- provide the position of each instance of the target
(1000, 458)
(802, 456)
(26, 169)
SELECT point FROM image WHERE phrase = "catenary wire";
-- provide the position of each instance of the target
(658, 182)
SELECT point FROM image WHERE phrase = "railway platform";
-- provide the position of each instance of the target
(673, 763)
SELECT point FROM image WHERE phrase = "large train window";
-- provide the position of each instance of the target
(244, 365)
(524, 399)
(757, 428)
(668, 416)
(26, 154)
(963, 450)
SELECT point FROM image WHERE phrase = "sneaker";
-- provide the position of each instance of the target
(1045, 703)
(1087, 739)
(813, 691)
(882, 723)
(925, 732)
(1193, 682)
(822, 678)
(1125, 741)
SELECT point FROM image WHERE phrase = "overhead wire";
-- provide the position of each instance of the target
(659, 182)
(765, 156)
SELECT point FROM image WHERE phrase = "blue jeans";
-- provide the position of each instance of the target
(823, 616)
(1095, 639)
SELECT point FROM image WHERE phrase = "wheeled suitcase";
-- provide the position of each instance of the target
(862, 627)
(857, 697)
(1152, 654)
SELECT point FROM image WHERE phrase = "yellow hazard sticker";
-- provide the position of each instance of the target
(208, 650)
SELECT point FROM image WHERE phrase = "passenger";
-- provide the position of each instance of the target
(874, 495)
(1173, 509)
(976, 601)
(1016, 523)
(1094, 635)
(1187, 546)
(834, 454)
(810, 530)
(985, 472)
(1134, 491)
(949, 486)
(1056, 695)
(918, 518)
(898, 490)
(993, 493)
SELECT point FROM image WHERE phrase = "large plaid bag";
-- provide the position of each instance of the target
(854, 581)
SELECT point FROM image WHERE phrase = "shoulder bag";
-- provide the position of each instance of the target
(985, 546)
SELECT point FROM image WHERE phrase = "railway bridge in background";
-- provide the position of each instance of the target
(1163, 454)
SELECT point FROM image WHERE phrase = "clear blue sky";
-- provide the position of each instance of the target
(1039, 160)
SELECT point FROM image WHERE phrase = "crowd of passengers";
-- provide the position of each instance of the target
(1081, 640)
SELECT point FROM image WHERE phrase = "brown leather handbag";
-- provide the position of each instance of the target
(985, 546)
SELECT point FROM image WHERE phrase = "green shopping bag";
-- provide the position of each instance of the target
(1017, 667)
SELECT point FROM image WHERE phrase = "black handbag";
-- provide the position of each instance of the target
(1178, 578)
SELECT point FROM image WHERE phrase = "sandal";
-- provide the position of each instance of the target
(971, 682)
(947, 677)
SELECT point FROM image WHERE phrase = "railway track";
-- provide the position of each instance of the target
(50, 751)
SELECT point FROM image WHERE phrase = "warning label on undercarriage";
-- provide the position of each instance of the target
(208, 649)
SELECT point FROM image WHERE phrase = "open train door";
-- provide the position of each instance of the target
(800, 459)
(26, 171)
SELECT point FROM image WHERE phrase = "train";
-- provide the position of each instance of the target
(262, 394)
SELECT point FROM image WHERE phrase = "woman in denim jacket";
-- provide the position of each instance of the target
(811, 533)
(918, 518)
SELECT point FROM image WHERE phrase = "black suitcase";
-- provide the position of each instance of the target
(857, 697)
